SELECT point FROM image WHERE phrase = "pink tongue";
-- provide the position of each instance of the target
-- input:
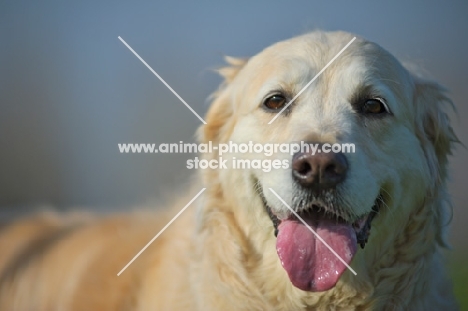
(311, 266)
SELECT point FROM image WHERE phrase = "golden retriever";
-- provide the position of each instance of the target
(383, 209)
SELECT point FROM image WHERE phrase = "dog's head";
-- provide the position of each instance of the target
(365, 98)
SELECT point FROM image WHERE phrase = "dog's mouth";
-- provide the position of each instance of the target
(307, 258)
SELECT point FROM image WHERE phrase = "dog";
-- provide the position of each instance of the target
(362, 230)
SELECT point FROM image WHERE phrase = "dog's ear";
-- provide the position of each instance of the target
(220, 117)
(234, 66)
(437, 139)
(433, 125)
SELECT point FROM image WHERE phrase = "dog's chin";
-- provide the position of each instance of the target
(316, 247)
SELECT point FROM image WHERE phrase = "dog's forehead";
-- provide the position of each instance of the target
(298, 60)
(290, 65)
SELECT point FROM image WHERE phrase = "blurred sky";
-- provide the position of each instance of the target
(70, 90)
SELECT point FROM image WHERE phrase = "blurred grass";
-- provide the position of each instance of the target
(458, 268)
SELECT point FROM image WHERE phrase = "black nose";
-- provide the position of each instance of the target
(319, 171)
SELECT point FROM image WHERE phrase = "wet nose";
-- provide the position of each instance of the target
(319, 171)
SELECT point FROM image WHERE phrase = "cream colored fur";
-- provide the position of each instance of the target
(220, 254)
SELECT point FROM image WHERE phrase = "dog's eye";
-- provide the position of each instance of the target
(374, 106)
(275, 102)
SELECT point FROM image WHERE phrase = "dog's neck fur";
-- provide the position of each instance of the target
(402, 277)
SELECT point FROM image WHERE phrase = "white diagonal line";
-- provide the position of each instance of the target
(315, 233)
(313, 79)
(160, 232)
(161, 79)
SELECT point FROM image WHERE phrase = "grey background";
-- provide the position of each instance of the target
(70, 90)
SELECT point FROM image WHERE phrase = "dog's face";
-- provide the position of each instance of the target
(366, 98)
